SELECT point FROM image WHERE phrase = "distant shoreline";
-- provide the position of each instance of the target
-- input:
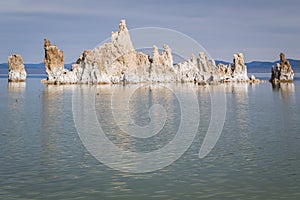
(252, 67)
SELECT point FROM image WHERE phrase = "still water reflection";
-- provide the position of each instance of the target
(16, 86)
(256, 157)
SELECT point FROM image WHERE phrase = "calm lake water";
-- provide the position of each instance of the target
(256, 157)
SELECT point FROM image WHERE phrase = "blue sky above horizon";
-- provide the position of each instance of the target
(259, 29)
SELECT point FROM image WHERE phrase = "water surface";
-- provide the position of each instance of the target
(256, 157)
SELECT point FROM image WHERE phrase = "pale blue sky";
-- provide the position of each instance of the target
(259, 29)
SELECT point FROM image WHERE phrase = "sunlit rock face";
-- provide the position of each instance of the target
(239, 68)
(113, 62)
(118, 62)
(16, 69)
(54, 62)
(283, 71)
(198, 69)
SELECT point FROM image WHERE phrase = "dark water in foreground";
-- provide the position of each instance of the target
(256, 157)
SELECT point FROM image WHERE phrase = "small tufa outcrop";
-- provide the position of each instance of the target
(161, 65)
(16, 69)
(54, 62)
(234, 72)
(239, 68)
(283, 71)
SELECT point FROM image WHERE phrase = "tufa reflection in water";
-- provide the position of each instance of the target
(286, 90)
(284, 87)
(16, 86)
